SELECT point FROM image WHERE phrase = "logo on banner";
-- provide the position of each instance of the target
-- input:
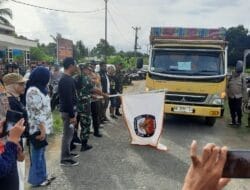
(145, 125)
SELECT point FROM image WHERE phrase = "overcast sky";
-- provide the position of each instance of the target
(123, 14)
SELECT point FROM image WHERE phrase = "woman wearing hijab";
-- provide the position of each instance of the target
(40, 120)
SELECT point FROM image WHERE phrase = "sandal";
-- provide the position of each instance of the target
(51, 178)
(45, 183)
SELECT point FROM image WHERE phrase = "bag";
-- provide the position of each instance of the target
(37, 143)
(13, 116)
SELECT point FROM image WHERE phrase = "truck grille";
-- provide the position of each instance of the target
(189, 98)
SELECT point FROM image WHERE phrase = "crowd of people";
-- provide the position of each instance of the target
(83, 99)
(80, 94)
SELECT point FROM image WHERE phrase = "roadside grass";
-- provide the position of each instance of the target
(57, 122)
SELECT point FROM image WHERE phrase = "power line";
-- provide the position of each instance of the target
(116, 26)
(116, 10)
(58, 10)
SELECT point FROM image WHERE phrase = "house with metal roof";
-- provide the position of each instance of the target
(12, 45)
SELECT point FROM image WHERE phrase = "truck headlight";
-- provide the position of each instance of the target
(217, 99)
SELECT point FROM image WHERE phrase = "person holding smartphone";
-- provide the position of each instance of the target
(10, 153)
(205, 171)
(15, 87)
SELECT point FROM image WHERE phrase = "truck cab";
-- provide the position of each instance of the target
(191, 64)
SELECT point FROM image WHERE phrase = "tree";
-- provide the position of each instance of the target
(37, 54)
(5, 12)
(237, 38)
(51, 50)
(80, 51)
(18, 58)
(99, 50)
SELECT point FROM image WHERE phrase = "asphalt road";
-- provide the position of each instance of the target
(114, 164)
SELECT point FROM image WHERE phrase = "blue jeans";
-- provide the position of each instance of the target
(37, 172)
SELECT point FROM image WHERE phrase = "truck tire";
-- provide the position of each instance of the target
(210, 121)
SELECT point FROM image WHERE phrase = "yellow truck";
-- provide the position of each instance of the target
(191, 64)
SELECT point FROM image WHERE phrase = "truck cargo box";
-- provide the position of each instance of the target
(175, 33)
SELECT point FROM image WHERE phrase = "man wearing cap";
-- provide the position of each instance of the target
(84, 87)
(236, 92)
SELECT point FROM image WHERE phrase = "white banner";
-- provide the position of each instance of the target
(144, 117)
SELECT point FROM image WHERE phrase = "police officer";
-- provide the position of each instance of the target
(236, 91)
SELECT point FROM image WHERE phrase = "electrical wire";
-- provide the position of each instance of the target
(115, 10)
(57, 10)
(116, 26)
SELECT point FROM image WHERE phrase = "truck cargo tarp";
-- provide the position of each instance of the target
(187, 33)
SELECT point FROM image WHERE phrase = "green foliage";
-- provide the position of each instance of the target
(115, 59)
(80, 51)
(38, 54)
(238, 40)
(57, 122)
(127, 62)
(49, 49)
(99, 50)
(18, 58)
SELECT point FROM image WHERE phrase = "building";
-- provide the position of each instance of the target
(13, 47)
(65, 48)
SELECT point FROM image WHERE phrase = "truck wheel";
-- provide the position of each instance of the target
(210, 121)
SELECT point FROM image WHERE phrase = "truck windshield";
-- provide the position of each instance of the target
(187, 63)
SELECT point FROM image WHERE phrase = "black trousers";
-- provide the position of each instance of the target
(105, 104)
(96, 115)
(118, 102)
(235, 109)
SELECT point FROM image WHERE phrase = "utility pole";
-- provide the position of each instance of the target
(106, 30)
(57, 47)
(136, 38)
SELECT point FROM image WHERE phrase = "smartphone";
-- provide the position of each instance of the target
(12, 117)
(237, 164)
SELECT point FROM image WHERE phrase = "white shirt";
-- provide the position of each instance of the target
(108, 84)
(39, 110)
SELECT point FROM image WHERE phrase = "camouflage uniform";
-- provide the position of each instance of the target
(84, 87)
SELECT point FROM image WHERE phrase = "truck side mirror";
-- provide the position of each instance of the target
(139, 63)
